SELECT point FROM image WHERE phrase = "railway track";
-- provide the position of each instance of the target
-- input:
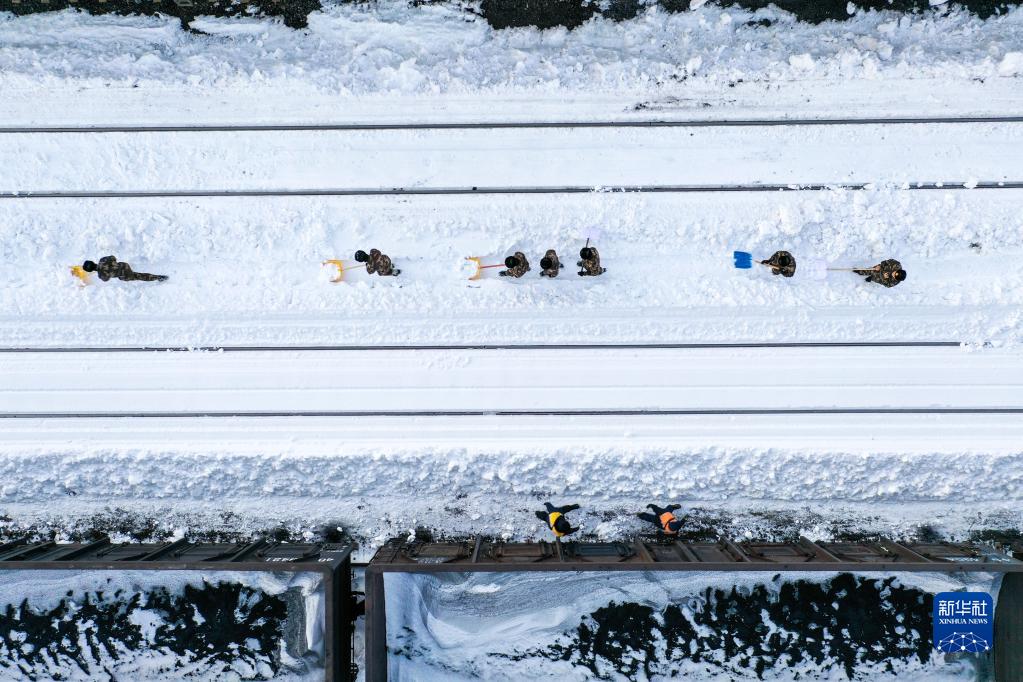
(568, 382)
(484, 346)
(511, 125)
(558, 159)
(482, 191)
(359, 414)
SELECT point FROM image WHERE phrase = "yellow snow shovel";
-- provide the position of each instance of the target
(79, 272)
(340, 265)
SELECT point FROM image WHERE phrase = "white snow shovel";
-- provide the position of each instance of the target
(340, 265)
(473, 268)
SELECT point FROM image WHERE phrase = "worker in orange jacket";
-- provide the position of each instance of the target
(666, 522)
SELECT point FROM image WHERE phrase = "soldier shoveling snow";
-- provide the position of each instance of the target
(110, 268)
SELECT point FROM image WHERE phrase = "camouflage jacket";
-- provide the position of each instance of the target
(778, 269)
(555, 264)
(108, 268)
(591, 266)
(518, 270)
(882, 273)
(379, 263)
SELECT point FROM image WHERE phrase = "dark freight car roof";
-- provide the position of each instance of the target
(104, 554)
(480, 554)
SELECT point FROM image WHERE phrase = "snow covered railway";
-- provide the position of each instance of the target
(162, 163)
(669, 278)
(636, 121)
(240, 220)
(535, 381)
(487, 190)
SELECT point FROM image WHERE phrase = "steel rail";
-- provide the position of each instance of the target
(522, 346)
(498, 125)
(507, 413)
(552, 189)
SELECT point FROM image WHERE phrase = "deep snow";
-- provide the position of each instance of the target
(247, 271)
(670, 279)
(762, 477)
(387, 61)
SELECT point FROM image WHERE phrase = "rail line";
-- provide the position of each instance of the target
(511, 190)
(498, 125)
(520, 346)
(593, 382)
(225, 414)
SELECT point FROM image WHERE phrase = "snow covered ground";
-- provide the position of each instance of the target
(768, 476)
(385, 61)
(473, 469)
(247, 271)
(233, 261)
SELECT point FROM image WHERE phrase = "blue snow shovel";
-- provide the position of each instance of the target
(743, 260)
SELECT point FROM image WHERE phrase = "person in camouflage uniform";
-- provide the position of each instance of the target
(887, 273)
(590, 262)
(109, 268)
(377, 262)
(517, 265)
(551, 264)
(781, 263)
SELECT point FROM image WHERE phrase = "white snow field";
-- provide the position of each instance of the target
(468, 437)
(942, 197)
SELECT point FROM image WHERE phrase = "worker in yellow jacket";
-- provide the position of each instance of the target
(556, 520)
